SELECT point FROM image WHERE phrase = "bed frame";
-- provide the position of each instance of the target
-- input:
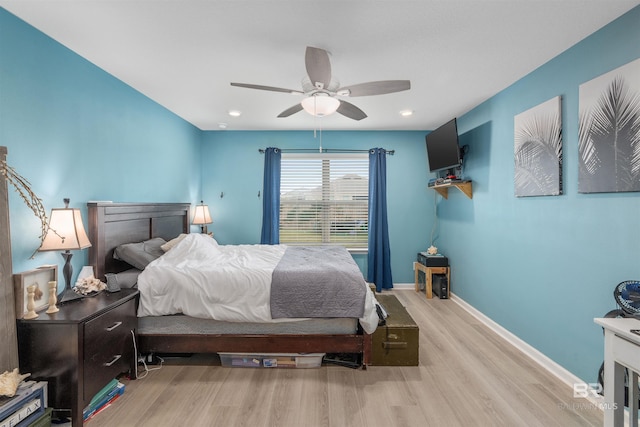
(112, 224)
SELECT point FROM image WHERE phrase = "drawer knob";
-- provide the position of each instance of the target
(114, 360)
(115, 325)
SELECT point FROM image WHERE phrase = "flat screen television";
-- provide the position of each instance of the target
(443, 151)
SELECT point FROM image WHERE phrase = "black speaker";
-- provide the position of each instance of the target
(432, 260)
(440, 286)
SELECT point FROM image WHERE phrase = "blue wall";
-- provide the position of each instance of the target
(75, 131)
(544, 267)
(231, 164)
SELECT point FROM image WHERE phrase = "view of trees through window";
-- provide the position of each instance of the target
(324, 199)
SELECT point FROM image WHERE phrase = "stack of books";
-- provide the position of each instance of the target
(26, 406)
(103, 399)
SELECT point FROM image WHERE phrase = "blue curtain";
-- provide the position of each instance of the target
(379, 257)
(271, 198)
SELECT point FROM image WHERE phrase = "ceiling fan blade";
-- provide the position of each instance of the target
(269, 88)
(351, 111)
(375, 88)
(290, 111)
(318, 66)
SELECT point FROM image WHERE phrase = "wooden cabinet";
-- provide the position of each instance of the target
(79, 349)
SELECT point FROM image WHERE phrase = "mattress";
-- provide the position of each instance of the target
(179, 324)
(233, 283)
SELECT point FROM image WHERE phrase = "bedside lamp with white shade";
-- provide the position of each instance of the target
(66, 232)
(202, 217)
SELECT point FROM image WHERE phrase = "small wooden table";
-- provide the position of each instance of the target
(428, 272)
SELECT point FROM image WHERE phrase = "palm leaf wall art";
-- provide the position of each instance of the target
(609, 134)
(538, 150)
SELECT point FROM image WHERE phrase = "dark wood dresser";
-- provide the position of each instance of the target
(79, 349)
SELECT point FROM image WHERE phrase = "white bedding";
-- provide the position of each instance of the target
(232, 283)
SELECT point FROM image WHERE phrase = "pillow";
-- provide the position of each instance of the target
(139, 255)
(171, 243)
(128, 278)
(123, 280)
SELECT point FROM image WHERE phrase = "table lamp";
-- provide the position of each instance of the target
(202, 217)
(66, 233)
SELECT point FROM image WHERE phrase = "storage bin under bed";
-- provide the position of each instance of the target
(271, 360)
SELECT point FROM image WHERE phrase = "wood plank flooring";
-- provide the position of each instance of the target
(468, 376)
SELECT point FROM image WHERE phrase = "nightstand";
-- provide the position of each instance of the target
(79, 349)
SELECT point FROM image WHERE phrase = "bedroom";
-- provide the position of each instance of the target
(542, 268)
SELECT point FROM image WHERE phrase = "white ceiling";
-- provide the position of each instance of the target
(184, 53)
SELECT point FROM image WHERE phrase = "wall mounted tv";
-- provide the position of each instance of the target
(443, 151)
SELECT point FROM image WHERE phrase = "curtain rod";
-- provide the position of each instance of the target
(324, 150)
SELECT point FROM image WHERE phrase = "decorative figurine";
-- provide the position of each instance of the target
(53, 299)
(432, 250)
(31, 303)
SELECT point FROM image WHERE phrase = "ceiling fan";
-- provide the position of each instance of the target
(321, 89)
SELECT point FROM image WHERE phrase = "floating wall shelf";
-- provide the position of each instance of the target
(464, 186)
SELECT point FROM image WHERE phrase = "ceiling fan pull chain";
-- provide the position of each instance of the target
(319, 121)
(315, 124)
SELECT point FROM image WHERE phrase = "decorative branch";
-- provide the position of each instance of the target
(33, 202)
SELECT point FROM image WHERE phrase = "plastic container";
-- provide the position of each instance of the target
(271, 360)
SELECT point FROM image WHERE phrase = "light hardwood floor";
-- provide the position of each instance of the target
(468, 376)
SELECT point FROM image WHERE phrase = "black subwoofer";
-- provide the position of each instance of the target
(440, 285)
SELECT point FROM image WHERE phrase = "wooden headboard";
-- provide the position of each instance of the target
(112, 224)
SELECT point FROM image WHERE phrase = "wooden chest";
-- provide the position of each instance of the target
(396, 343)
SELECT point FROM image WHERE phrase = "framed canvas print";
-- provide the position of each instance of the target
(609, 132)
(40, 277)
(538, 150)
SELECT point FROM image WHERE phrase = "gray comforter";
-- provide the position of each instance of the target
(317, 281)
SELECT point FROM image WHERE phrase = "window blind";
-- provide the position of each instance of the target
(324, 199)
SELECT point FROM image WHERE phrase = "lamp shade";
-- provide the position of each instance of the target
(320, 105)
(202, 215)
(65, 232)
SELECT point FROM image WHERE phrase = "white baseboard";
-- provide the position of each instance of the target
(555, 369)
(545, 362)
(551, 366)
(404, 286)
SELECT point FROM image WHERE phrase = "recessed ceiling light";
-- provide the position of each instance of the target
(222, 125)
(406, 113)
(234, 113)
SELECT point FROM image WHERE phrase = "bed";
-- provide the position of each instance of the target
(114, 224)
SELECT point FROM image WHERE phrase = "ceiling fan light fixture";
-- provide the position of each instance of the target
(320, 105)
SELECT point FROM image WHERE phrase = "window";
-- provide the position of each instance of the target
(324, 199)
